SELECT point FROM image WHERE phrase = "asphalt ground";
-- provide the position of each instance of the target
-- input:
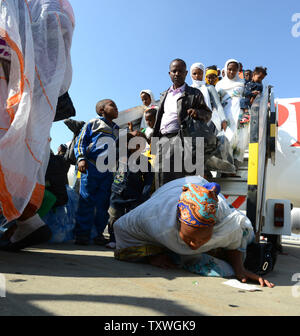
(67, 280)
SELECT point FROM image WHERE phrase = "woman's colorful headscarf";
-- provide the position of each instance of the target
(198, 205)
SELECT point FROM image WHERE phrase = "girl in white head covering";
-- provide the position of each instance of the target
(230, 90)
(148, 101)
(233, 80)
(197, 72)
(151, 95)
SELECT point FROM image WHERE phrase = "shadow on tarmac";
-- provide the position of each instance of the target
(80, 262)
(22, 305)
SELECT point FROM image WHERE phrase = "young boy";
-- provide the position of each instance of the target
(95, 187)
(150, 117)
(129, 189)
(252, 89)
(248, 76)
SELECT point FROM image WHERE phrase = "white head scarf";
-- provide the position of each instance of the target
(39, 36)
(153, 103)
(201, 85)
(226, 83)
(150, 93)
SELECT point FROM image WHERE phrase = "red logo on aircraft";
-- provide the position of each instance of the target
(283, 114)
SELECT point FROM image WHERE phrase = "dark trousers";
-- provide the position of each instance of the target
(118, 208)
(95, 191)
(165, 172)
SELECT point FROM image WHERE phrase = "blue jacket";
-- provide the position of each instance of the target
(87, 144)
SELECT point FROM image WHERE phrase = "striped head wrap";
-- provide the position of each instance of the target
(198, 205)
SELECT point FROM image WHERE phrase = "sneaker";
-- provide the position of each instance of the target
(37, 237)
(101, 240)
(111, 245)
(245, 119)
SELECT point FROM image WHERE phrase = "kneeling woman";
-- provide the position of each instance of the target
(185, 219)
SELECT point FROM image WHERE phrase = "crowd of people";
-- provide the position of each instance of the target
(222, 106)
(122, 200)
(167, 216)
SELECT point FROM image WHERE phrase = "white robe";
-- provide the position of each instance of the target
(201, 85)
(231, 92)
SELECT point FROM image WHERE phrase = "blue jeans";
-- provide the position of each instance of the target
(95, 190)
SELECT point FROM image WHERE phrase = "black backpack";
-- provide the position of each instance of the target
(56, 178)
(65, 108)
(260, 257)
(70, 155)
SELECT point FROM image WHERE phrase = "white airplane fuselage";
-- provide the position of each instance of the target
(283, 179)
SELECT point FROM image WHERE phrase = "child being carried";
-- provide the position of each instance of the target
(252, 89)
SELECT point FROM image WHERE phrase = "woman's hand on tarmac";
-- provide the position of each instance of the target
(245, 275)
(234, 257)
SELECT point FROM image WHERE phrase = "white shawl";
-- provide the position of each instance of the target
(201, 85)
(150, 93)
(228, 84)
(153, 103)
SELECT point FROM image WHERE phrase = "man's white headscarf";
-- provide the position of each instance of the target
(201, 85)
(39, 35)
(226, 83)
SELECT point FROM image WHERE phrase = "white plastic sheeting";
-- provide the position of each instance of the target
(39, 35)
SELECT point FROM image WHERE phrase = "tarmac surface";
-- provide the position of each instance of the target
(67, 280)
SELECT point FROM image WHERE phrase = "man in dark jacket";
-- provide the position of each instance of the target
(177, 105)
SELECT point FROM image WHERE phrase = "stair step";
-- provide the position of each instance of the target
(230, 180)
(243, 168)
(232, 186)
